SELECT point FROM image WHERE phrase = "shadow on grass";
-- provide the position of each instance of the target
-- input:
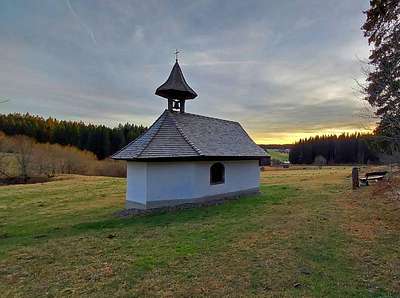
(231, 210)
(244, 206)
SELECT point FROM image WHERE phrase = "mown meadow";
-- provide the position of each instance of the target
(306, 234)
(278, 155)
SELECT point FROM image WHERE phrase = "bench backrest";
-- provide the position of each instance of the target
(382, 173)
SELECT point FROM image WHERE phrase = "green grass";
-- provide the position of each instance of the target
(276, 154)
(295, 239)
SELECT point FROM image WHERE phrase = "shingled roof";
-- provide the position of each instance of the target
(188, 136)
(176, 86)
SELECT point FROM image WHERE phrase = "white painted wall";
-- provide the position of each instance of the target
(239, 175)
(136, 190)
(159, 181)
(171, 180)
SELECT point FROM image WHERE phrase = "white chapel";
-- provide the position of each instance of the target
(188, 158)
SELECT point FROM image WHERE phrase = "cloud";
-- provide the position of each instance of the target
(281, 69)
(81, 22)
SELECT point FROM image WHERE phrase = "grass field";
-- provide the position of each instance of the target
(276, 154)
(307, 235)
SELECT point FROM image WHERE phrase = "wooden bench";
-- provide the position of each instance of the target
(372, 176)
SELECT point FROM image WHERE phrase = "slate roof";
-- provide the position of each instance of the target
(183, 135)
(176, 87)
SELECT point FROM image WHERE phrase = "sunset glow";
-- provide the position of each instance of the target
(281, 69)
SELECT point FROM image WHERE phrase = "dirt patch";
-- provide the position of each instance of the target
(362, 231)
(367, 210)
(389, 189)
(362, 228)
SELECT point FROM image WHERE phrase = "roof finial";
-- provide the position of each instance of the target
(176, 88)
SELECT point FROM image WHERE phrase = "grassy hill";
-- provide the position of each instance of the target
(278, 155)
(307, 234)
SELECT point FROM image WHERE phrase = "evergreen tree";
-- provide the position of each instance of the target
(343, 149)
(98, 139)
(382, 28)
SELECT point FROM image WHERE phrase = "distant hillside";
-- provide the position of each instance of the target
(334, 149)
(279, 154)
(99, 139)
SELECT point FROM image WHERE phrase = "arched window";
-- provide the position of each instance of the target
(217, 173)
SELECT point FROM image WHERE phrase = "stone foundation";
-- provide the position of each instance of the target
(134, 208)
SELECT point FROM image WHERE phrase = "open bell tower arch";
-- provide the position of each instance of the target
(176, 90)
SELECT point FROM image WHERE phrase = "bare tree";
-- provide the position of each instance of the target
(23, 147)
(4, 162)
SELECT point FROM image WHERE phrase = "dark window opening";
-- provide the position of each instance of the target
(217, 173)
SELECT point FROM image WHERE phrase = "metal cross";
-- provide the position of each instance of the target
(176, 54)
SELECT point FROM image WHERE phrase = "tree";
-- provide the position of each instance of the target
(99, 139)
(4, 162)
(382, 91)
(345, 148)
(24, 147)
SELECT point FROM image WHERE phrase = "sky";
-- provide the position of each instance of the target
(283, 69)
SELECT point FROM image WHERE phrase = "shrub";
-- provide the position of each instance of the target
(22, 157)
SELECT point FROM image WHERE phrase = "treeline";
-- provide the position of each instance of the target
(99, 139)
(342, 149)
(23, 159)
(276, 146)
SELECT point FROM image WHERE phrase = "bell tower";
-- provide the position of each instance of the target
(175, 89)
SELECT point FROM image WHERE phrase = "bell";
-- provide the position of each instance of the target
(176, 105)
